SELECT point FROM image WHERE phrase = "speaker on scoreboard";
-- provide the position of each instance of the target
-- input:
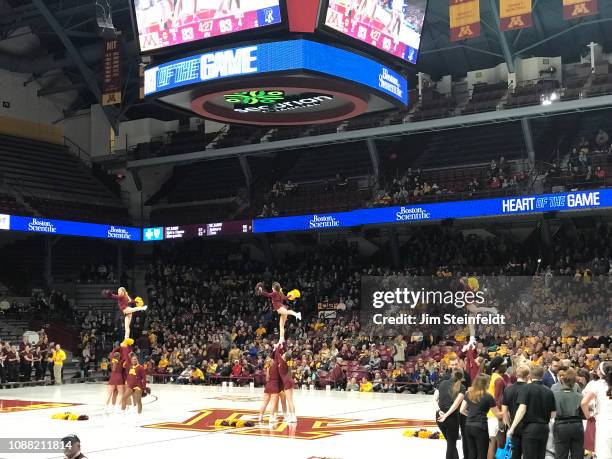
(104, 18)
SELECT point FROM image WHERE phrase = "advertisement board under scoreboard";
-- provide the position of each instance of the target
(195, 231)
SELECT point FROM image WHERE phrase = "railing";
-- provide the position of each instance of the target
(77, 151)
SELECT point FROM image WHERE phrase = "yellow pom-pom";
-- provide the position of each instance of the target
(473, 284)
(139, 302)
(408, 433)
(424, 434)
(240, 424)
(73, 417)
(294, 294)
(442, 437)
(218, 422)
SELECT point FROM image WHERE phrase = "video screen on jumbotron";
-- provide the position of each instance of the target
(392, 26)
(165, 23)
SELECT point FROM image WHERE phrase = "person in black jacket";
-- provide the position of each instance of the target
(449, 396)
(536, 407)
(568, 431)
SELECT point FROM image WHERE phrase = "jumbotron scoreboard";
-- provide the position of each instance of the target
(278, 62)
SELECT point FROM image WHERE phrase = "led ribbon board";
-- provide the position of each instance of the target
(430, 212)
(68, 228)
(281, 56)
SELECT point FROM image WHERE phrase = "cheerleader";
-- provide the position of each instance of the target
(280, 357)
(472, 285)
(272, 392)
(135, 383)
(115, 383)
(277, 297)
(124, 301)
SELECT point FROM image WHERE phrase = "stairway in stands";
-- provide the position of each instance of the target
(12, 329)
(88, 296)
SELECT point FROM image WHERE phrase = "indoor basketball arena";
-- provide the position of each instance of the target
(306, 229)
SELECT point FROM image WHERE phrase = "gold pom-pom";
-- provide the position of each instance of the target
(73, 417)
(408, 433)
(424, 434)
(240, 424)
(218, 422)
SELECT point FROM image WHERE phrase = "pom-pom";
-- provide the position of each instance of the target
(219, 422)
(106, 293)
(139, 302)
(225, 423)
(240, 424)
(473, 284)
(294, 294)
(249, 424)
(259, 288)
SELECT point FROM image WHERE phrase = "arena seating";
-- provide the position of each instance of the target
(485, 97)
(472, 146)
(9, 205)
(50, 177)
(207, 180)
(531, 92)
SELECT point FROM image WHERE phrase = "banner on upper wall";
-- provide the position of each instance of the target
(515, 14)
(111, 85)
(68, 228)
(577, 8)
(464, 19)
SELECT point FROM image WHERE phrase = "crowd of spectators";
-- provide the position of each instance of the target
(413, 186)
(98, 272)
(578, 170)
(205, 325)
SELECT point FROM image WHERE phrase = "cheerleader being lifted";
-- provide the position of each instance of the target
(277, 297)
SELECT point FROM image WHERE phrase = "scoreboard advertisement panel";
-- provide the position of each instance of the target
(195, 231)
(391, 26)
(165, 23)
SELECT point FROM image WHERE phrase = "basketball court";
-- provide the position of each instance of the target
(180, 420)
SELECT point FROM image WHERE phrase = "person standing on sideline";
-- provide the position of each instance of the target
(551, 375)
(475, 406)
(58, 358)
(450, 395)
(536, 407)
(510, 406)
(600, 392)
(568, 431)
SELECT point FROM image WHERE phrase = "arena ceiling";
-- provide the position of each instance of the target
(59, 45)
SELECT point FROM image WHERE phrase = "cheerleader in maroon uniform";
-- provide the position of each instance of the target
(272, 392)
(280, 357)
(116, 381)
(135, 383)
(277, 297)
(124, 301)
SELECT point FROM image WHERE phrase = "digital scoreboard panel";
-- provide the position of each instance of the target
(391, 26)
(165, 23)
(196, 231)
